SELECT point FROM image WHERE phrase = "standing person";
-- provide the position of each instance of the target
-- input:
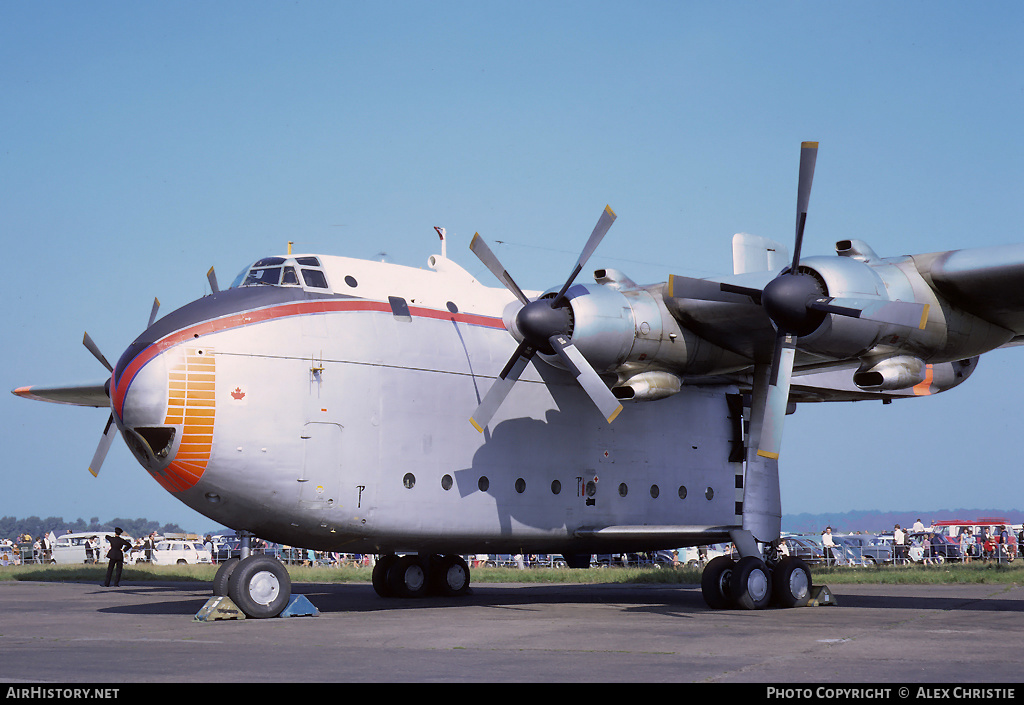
(829, 544)
(115, 555)
(897, 544)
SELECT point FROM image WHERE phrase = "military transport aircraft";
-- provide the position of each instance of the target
(322, 401)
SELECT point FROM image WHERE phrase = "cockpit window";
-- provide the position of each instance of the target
(314, 278)
(280, 271)
(263, 275)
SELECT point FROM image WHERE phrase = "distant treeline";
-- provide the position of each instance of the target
(12, 527)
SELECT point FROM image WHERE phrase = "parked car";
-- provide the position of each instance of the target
(71, 548)
(804, 548)
(868, 549)
(180, 551)
(940, 547)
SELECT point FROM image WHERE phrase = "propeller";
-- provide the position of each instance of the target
(797, 304)
(546, 326)
(110, 430)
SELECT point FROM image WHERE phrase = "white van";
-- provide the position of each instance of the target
(178, 551)
(71, 548)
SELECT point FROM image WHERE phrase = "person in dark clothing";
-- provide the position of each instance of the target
(115, 555)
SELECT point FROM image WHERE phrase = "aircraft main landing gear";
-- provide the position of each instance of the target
(417, 576)
(750, 583)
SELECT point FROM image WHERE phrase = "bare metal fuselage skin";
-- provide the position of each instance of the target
(338, 420)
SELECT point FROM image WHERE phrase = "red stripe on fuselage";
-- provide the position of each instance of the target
(299, 308)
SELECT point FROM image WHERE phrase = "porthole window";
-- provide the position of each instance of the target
(556, 487)
(655, 491)
(709, 494)
(591, 488)
(520, 485)
(623, 490)
(483, 484)
(409, 480)
(682, 491)
(452, 308)
(447, 482)
(351, 281)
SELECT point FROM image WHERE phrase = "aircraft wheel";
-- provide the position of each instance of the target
(751, 583)
(380, 574)
(791, 583)
(260, 586)
(450, 574)
(408, 577)
(715, 583)
(220, 580)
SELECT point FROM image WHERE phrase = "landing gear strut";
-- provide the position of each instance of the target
(417, 576)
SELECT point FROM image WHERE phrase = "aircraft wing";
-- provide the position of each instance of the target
(90, 394)
(986, 282)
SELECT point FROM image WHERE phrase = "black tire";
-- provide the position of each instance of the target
(751, 584)
(380, 574)
(715, 583)
(409, 577)
(220, 580)
(450, 576)
(260, 587)
(791, 583)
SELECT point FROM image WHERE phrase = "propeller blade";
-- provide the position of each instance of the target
(502, 386)
(94, 349)
(211, 276)
(808, 157)
(706, 290)
(600, 230)
(777, 398)
(152, 314)
(591, 382)
(101, 450)
(483, 252)
(901, 313)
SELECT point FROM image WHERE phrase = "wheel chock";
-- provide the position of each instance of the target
(299, 606)
(821, 596)
(217, 608)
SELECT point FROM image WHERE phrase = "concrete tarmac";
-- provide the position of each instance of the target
(523, 633)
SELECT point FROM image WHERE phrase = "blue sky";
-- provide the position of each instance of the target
(141, 143)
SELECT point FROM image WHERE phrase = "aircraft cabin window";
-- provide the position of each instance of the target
(308, 261)
(290, 277)
(314, 278)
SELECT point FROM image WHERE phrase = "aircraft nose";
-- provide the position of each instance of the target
(165, 403)
(141, 402)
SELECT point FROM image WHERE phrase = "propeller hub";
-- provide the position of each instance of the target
(538, 321)
(786, 300)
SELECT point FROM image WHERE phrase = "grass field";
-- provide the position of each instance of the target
(976, 572)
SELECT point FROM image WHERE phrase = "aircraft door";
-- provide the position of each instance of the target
(320, 478)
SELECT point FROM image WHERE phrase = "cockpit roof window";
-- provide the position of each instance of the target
(308, 261)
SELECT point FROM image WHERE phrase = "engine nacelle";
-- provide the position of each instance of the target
(897, 372)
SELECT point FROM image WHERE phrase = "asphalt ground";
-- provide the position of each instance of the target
(883, 635)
